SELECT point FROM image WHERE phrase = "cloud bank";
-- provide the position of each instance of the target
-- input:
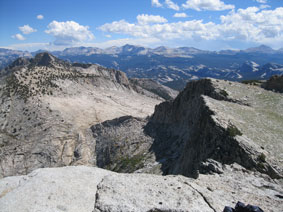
(251, 24)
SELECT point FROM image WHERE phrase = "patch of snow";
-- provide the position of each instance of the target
(239, 76)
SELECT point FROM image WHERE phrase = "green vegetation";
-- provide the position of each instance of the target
(129, 165)
(233, 131)
(224, 93)
(251, 82)
(262, 157)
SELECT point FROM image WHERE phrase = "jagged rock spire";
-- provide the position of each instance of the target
(46, 59)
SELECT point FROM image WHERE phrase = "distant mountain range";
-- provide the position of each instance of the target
(7, 56)
(173, 66)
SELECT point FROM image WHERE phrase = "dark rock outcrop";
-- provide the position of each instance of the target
(185, 134)
(275, 83)
(241, 207)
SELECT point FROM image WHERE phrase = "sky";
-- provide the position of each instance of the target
(205, 24)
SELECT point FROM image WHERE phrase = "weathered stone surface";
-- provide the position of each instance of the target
(143, 192)
(69, 189)
(238, 184)
(89, 189)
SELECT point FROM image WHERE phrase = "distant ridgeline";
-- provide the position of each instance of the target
(173, 66)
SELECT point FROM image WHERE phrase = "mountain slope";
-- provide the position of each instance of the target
(153, 87)
(48, 106)
(209, 121)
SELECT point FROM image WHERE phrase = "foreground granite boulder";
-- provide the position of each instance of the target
(88, 189)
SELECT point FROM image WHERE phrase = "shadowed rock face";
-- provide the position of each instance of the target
(204, 122)
(275, 83)
(185, 131)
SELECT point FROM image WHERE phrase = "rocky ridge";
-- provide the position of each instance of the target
(210, 122)
(48, 105)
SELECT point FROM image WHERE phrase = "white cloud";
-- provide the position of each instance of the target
(26, 29)
(40, 17)
(18, 37)
(180, 15)
(170, 4)
(147, 19)
(214, 5)
(108, 36)
(264, 6)
(69, 32)
(156, 3)
(244, 25)
(261, 1)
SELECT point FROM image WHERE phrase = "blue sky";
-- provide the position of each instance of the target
(206, 24)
